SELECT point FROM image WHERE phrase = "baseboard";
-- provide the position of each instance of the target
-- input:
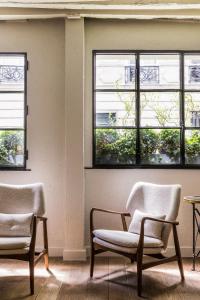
(70, 255)
(74, 255)
(53, 251)
(185, 251)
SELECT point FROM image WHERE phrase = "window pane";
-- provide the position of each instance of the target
(159, 71)
(11, 110)
(192, 147)
(12, 72)
(117, 109)
(116, 71)
(11, 148)
(159, 109)
(192, 71)
(160, 146)
(192, 109)
(115, 146)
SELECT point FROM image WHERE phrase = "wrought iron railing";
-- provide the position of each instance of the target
(9, 73)
(148, 74)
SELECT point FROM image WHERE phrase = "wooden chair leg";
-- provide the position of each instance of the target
(132, 260)
(31, 268)
(46, 261)
(180, 264)
(178, 253)
(139, 273)
(46, 255)
(92, 260)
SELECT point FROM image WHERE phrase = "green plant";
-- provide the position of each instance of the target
(3, 154)
(104, 138)
(149, 143)
(192, 146)
(115, 146)
(155, 143)
(190, 105)
(169, 143)
(128, 101)
(125, 146)
(163, 114)
(10, 145)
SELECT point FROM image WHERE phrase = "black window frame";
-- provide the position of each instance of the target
(137, 90)
(24, 129)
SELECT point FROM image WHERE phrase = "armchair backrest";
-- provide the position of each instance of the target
(156, 199)
(19, 199)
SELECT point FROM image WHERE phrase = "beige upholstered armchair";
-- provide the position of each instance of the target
(153, 210)
(21, 208)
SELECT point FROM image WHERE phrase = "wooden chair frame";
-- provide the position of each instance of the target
(30, 256)
(138, 256)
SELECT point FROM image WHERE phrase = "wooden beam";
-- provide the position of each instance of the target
(100, 5)
(192, 18)
(24, 17)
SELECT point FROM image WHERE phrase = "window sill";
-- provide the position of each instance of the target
(14, 169)
(172, 167)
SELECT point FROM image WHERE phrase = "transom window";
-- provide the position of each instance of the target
(13, 110)
(146, 109)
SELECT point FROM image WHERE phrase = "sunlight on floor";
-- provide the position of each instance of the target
(175, 272)
(39, 272)
(22, 272)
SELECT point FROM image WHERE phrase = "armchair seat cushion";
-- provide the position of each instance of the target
(126, 239)
(14, 243)
(129, 250)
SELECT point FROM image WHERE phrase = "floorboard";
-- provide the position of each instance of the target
(114, 279)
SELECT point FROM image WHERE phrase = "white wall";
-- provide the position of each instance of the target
(110, 188)
(44, 44)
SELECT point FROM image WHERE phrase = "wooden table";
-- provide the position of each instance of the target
(193, 200)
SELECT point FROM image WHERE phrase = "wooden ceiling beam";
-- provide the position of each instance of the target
(104, 9)
(101, 5)
(24, 17)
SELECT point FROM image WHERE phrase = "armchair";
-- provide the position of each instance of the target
(151, 199)
(21, 209)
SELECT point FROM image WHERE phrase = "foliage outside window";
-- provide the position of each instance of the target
(155, 100)
(12, 110)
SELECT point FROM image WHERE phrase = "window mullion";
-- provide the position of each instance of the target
(94, 108)
(137, 103)
(182, 110)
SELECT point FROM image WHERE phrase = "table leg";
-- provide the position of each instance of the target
(194, 235)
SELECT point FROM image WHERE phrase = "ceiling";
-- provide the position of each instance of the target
(179, 10)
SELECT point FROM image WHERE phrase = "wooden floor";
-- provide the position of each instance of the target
(114, 279)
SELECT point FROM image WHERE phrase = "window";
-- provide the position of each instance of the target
(146, 109)
(105, 119)
(13, 68)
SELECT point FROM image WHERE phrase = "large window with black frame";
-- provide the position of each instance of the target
(146, 109)
(13, 68)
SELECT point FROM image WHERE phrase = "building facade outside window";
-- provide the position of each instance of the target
(13, 110)
(150, 102)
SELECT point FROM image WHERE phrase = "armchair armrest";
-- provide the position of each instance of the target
(123, 215)
(40, 218)
(141, 240)
(158, 220)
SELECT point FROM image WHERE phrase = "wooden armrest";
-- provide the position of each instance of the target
(159, 220)
(123, 215)
(141, 239)
(110, 211)
(41, 218)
